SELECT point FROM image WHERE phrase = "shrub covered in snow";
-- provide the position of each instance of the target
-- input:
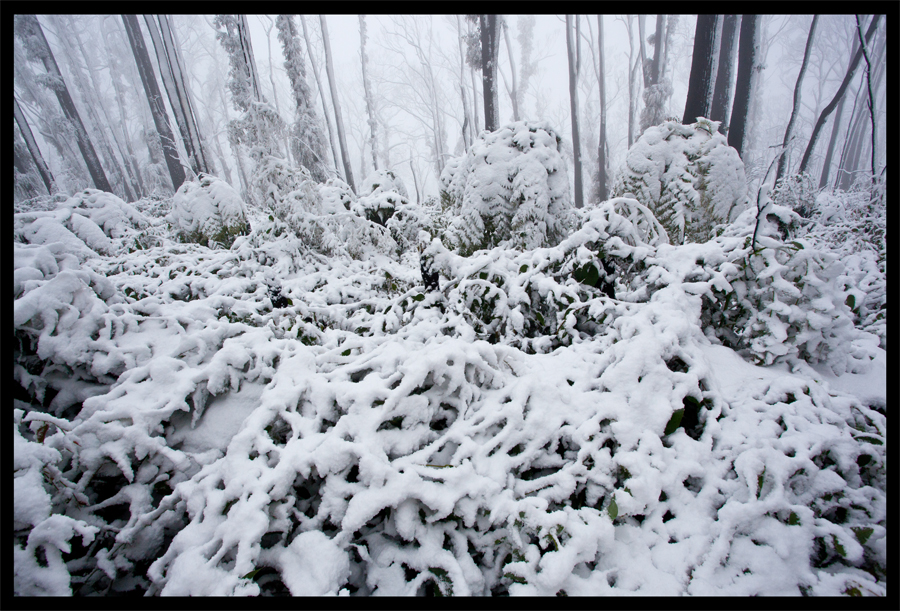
(564, 420)
(688, 176)
(510, 188)
(208, 211)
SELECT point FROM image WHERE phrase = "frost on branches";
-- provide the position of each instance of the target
(615, 413)
(688, 176)
(511, 188)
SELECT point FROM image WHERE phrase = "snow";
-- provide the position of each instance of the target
(519, 430)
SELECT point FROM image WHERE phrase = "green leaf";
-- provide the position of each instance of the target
(674, 421)
(851, 301)
(612, 509)
(523, 269)
(862, 534)
(838, 547)
(419, 297)
(346, 352)
(252, 573)
(871, 440)
(759, 482)
(793, 519)
(483, 275)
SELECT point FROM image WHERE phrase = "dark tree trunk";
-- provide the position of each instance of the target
(190, 132)
(871, 99)
(748, 53)
(32, 28)
(702, 67)
(837, 96)
(489, 51)
(721, 103)
(830, 153)
(339, 122)
(783, 160)
(573, 99)
(157, 109)
(33, 149)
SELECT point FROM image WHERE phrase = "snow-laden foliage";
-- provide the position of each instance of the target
(510, 188)
(688, 176)
(208, 212)
(563, 420)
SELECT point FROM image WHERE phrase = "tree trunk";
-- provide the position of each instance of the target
(157, 109)
(632, 81)
(468, 130)
(783, 160)
(33, 149)
(871, 99)
(725, 73)
(247, 50)
(370, 104)
(92, 161)
(572, 53)
(602, 157)
(840, 92)
(748, 53)
(490, 27)
(702, 68)
(321, 90)
(514, 94)
(198, 155)
(826, 168)
(329, 67)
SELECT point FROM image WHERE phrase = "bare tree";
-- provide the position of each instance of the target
(29, 28)
(837, 96)
(490, 48)
(782, 161)
(321, 89)
(700, 84)
(157, 109)
(721, 102)
(871, 99)
(748, 59)
(345, 157)
(574, 65)
(513, 92)
(603, 147)
(370, 104)
(33, 149)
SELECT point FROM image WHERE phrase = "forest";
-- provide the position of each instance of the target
(449, 305)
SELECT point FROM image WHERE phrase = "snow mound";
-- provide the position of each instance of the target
(688, 176)
(209, 211)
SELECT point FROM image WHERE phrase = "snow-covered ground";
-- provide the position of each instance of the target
(297, 413)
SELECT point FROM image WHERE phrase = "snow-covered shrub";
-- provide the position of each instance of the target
(208, 211)
(336, 196)
(274, 180)
(688, 176)
(511, 188)
(797, 192)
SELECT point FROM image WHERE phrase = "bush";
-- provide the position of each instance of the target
(208, 212)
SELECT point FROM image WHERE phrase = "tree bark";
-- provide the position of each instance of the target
(337, 106)
(33, 149)
(702, 68)
(725, 73)
(33, 29)
(247, 50)
(782, 161)
(489, 53)
(602, 157)
(826, 168)
(154, 98)
(514, 94)
(633, 60)
(370, 105)
(572, 53)
(871, 99)
(468, 130)
(321, 90)
(182, 90)
(837, 96)
(748, 52)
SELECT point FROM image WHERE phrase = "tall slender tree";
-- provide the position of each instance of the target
(338, 120)
(33, 149)
(154, 97)
(573, 56)
(748, 59)
(29, 29)
(307, 139)
(823, 116)
(514, 92)
(321, 89)
(721, 102)
(871, 99)
(370, 103)
(700, 83)
(490, 48)
(602, 187)
(788, 132)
